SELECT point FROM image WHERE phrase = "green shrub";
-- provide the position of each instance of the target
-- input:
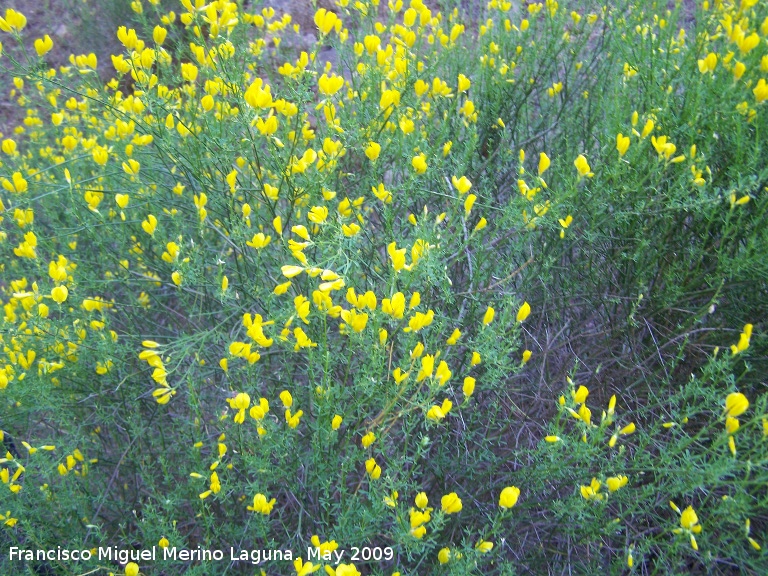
(447, 297)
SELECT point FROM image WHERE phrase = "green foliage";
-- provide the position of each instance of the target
(262, 295)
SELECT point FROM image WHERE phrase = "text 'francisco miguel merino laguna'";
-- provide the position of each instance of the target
(123, 556)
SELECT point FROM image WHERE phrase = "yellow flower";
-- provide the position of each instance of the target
(389, 98)
(736, 404)
(327, 21)
(293, 420)
(391, 500)
(437, 413)
(397, 256)
(318, 214)
(689, 523)
(444, 555)
(427, 367)
(744, 338)
(421, 500)
(689, 520)
(622, 143)
(464, 83)
(158, 34)
(747, 43)
(13, 22)
(483, 547)
(738, 70)
(304, 568)
(131, 569)
(329, 85)
(508, 497)
(373, 150)
(355, 320)
(628, 429)
(544, 163)
(761, 91)
(261, 505)
(580, 396)
(461, 184)
(345, 570)
(451, 503)
(368, 439)
(336, 422)
(100, 155)
(419, 163)
(442, 375)
(616, 482)
(189, 71)
(663, 148)
(708, 63)
(394, 306)
(122, 200)
(469, 386)
(592, 492)
(260, 411)
(43, 45)
(149, 224)
(241, 402)
(9, 147)
(752, 541)
(59, 294)
(290, 271)
(350, 230)
(131, 167)
(469, 201)
(582, 166)
(648, 128)
(373, 469)
(455, 335)
(488, 317)
(524, 311)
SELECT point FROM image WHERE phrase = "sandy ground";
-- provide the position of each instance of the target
(76, 27)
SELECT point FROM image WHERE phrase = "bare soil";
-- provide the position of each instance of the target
(75, 26)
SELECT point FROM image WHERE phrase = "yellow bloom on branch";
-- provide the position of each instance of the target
(373, 150)
(735, 404)
(451, 503)
(43, 45)
(59, 294)
(461, 184)
(622, 143)
(14, 22)
(708, 63)
(419, 163)
(524, 311)
(508, 497)
(582, 166)
(261, 505)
